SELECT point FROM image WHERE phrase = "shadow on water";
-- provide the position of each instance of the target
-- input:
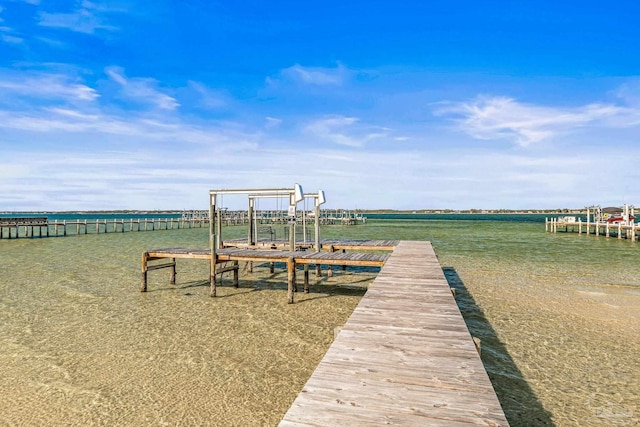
(519, 402)
(277, 281)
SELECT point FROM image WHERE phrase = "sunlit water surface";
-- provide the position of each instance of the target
(558, 316)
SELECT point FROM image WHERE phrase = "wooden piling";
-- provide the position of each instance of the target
(236, 274)
(172, 277)
(306, 278)
(330, 267)
(143, 284)
(291, 279)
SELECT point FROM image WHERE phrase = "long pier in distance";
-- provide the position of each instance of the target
(607, 222)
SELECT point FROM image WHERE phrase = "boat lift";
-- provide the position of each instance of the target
(295, 195)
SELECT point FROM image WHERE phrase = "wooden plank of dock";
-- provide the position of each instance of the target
(335, 244)
(404, 357)
(302, 257)
(379, 245)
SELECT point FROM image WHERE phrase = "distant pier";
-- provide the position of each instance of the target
(620, 230)
(31, 226)
(608, 222)
(14, 228)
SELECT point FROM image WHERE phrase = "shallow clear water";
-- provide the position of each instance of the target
(558, 315)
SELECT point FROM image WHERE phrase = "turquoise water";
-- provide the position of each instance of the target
(465, 217)
(558, 316)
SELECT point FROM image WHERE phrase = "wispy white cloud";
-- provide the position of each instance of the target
(209, 98)
(489, 118)
(272, 122)
(142, 90)
(343, 130)
(7, 34)
(45, 86)
(313, 76)
(7, 38)
(97, 125)
(629, 92)
(86, 18)
(334, 129)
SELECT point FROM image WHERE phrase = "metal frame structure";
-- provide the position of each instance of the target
(295, 194)
(319, 199)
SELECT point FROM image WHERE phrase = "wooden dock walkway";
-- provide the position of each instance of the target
(404, 357)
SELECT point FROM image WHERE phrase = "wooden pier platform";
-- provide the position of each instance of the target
(230, 257)
(404, 357)
(328, 244)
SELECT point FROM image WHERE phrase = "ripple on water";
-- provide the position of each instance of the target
(558, 316)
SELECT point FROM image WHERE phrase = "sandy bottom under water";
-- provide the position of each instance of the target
(80, 345)
(86, 355)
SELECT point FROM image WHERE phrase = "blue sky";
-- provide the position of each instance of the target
(382, 104)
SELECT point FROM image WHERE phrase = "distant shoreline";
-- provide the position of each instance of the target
(360, 211)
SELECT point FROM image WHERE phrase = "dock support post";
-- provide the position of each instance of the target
(172, 276)
(252, 237)
(236, 269)
(143, 284)
(272, 267)
(579, 225)
(291, 276)
(212, 280)
(619, 230)
(292, 236)
(212, 243)
(306, 278)
(330, 267)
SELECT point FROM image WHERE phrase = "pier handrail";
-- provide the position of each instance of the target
(22, 221)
